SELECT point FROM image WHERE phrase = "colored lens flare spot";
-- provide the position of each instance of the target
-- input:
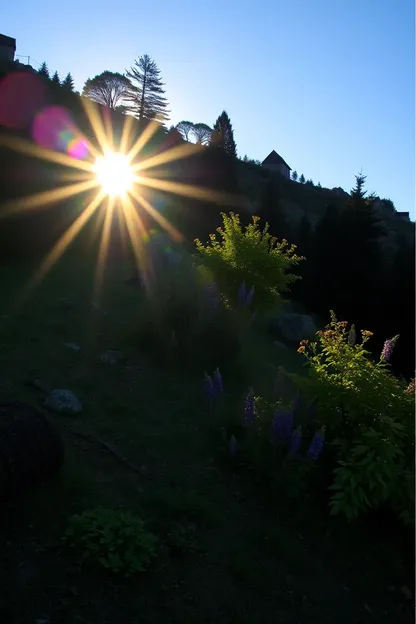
(54, 129)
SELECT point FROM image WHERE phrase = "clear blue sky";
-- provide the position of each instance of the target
(329, 84)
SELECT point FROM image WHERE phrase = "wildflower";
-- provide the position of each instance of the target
(295, 441)
(316, 445)
(352, 336)
(304, 342)
(249, 407)
(242, 293)
(388, 349)
(366, 333)
(233, 446)
(282, 427)
(343, 323)
(301, 349)
(249, 298)
(217, 381)
(209, 387)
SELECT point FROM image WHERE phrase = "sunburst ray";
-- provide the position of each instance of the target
(175, 153)
(190, 190)
(45, 198)
(61, 245)
(32, 149)
(103, 249)
(157, 216)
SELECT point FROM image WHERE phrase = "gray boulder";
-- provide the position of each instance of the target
(62, 400)
(294, 327)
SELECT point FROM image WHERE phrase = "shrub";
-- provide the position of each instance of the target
(369, 420)
(116, 540)
(251, 257)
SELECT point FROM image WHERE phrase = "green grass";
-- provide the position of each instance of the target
(226, 552)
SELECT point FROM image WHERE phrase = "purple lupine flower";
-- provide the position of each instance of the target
(316, 446)
(233, 446)
(242, 293)
(217, 380)
(249, 407)
(295, 441)
(388, 349)
(209, 387)
(249, 297)
(282, 427)
(352, 336)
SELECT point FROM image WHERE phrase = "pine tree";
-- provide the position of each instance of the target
(68, 83)
(146, 95)
(295, 176)
(223, 135)
(56, 79)
(302, 179)
(43, 70)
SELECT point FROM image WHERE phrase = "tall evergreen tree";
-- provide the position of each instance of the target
(56, 79)
(295, 176)
(146, 95)
(223, 135)
(43, 70)
(302, 179)
(68, 83)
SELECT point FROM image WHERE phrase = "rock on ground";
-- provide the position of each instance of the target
(63, 400)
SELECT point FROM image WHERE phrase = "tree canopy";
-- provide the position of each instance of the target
(109, 89)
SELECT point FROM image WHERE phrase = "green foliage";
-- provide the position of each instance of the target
(56, 79)
(116, 540)
(302, 179)
(369, 421)
(252, 256)
(295, 176)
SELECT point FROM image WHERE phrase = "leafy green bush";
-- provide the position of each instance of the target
(252, 257)
(369, 420)
(117, 540)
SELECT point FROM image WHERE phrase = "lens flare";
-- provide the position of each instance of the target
(114, 173)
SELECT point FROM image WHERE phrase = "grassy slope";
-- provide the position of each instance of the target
(250, 562)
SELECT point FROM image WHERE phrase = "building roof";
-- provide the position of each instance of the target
(8, 42)
(274, 159)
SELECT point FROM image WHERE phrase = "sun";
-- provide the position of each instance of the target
(114, 173)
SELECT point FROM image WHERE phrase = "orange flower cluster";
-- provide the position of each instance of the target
(367, 333)
(301, 349)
